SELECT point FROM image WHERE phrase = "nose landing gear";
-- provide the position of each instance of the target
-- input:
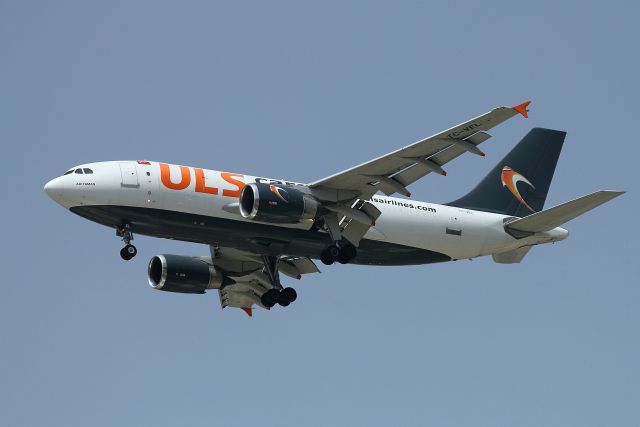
(129, 251)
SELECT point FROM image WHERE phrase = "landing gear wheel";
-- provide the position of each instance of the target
(270, 298)
(347, 253)
(287, 296)
(326, 258)
(330, 254)
(128, 252)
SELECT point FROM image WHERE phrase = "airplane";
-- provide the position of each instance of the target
(257, 228)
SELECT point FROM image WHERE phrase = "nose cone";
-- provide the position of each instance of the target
(55, 189)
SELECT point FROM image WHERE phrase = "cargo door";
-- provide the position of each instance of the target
(454, 227)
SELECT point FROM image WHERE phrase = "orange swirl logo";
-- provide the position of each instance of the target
(510, 179)
(278, 192)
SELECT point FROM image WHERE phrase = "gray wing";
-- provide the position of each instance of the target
(393, 172)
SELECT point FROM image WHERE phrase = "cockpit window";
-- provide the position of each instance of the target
(68, 172)
(79, 170)
(87, 170)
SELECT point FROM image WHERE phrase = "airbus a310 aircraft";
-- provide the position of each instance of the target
(258, 227)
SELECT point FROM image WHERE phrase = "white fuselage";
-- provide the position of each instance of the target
(455, 232)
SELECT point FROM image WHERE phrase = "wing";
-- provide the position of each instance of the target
(393, 172)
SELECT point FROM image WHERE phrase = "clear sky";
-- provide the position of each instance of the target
(300, 90)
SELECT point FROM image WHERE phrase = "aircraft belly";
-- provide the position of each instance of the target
(250, 236)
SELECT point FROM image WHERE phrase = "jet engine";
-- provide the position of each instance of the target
(277, 204)
(184, 274)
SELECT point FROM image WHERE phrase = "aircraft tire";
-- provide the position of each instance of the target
(270, 298)
(289, 295)
(126, 254)
(330, 255)
(131, 250)
(326, 258)
(347, 253)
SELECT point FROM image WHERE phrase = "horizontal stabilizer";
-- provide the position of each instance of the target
(551, 218)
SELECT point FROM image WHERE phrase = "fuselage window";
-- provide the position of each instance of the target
(68, 172)
(87, 170)
(78, 170)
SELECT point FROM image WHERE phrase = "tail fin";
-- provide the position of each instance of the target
(531, 163)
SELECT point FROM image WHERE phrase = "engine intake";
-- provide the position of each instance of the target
(277, 204)
(183, 274)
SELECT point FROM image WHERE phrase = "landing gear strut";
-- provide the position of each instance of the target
(129, 251)
(277, 294)
(340, 251)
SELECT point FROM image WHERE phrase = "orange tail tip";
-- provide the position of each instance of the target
(248, 310)
(522, 109)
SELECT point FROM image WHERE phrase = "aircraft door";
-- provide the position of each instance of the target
(454, 227)
(129, 175)
(453, 234)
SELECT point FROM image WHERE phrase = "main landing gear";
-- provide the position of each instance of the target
(340, 250)
(129, 251)
(343, 253)
(277, 294)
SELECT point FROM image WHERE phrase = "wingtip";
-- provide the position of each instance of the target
(522, 109)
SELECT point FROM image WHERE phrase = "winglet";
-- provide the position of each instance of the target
(522, 109)
(248, 310)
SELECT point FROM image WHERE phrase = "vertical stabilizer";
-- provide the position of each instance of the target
(519, 184)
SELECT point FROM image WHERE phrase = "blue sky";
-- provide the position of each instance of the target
(300, 90)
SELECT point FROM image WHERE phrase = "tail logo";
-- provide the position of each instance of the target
(278, 192)
(510, 179)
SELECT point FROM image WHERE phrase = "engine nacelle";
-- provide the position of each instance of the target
(277, 204)
(184, 274)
